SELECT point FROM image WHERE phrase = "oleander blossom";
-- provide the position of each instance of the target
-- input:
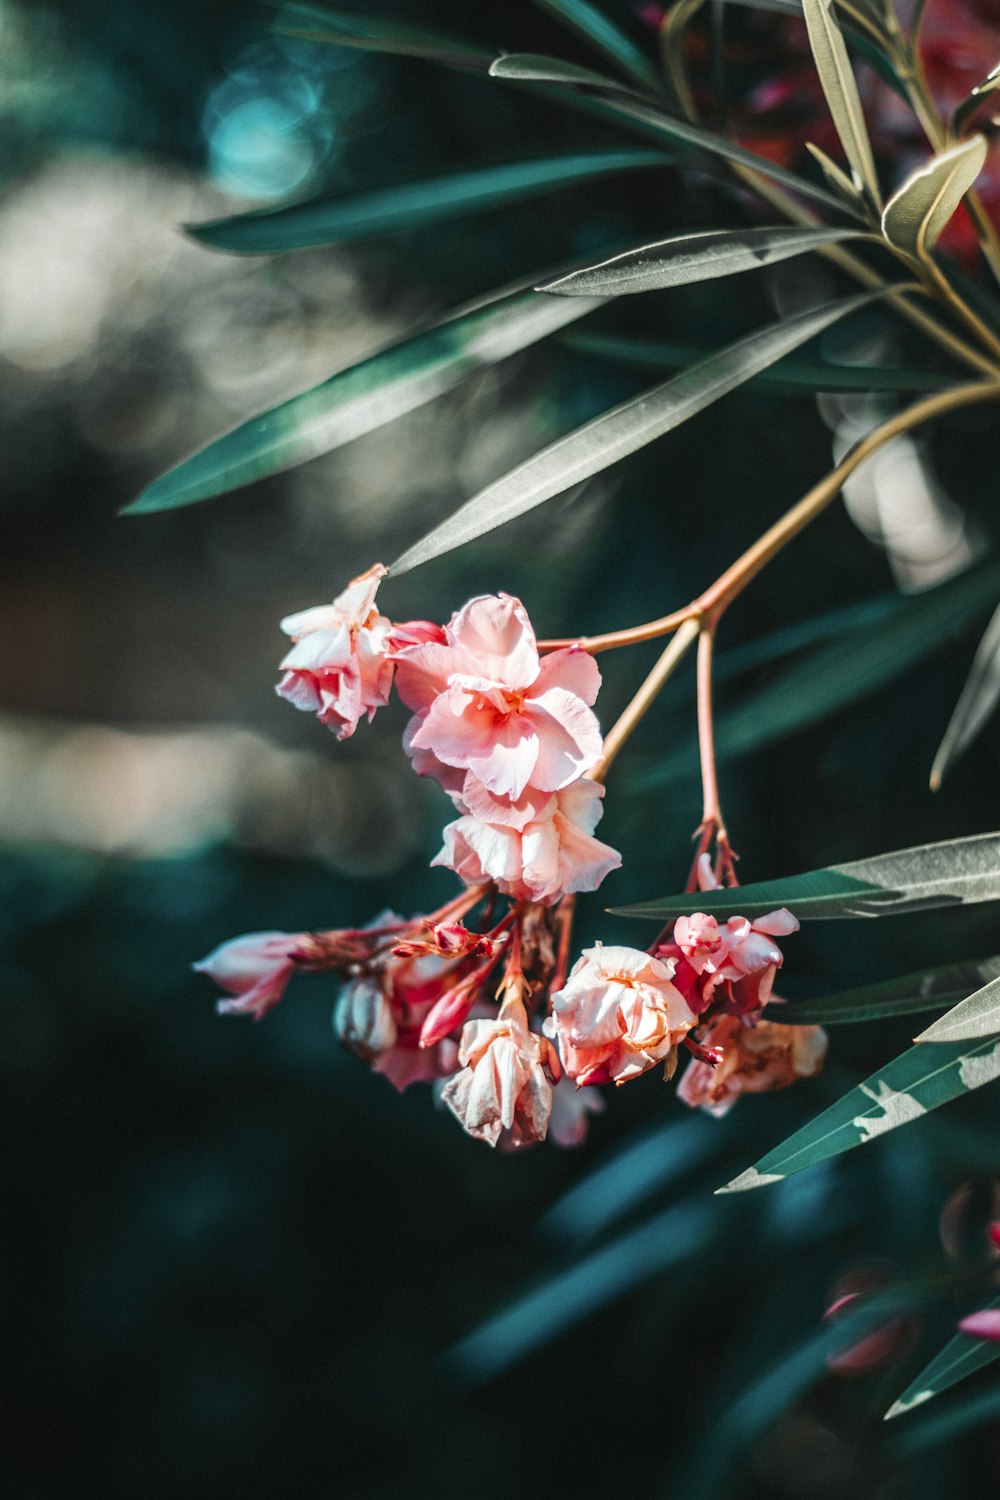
(380, 1017)
(735, 963)
(618, 1014)
(486, 702)
(254, 970)
(537, 847)
(340, 666)
(503, 1092)
(755, 1059)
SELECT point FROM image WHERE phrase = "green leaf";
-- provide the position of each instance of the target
(590, 23)
(532, 67)
(963, 114)
(961, 1356)
(687, 258)
(623, 430)
(919, 210)
(297, 226)
(834, 68)
(838, 674)
(651, 122)
(837, 179)
(344, 28)
(569, 1296)
(396, 380)
(790, 375)
(978, 699)
(941, 1426)
(977, 1016)
(957, 872)
(919, 1080)
(927, 989)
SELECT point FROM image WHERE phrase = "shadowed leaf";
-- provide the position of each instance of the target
(978, 699)
(590, 23)
(927, 989)
(961, 1356)
(298, 226)
(342, 27)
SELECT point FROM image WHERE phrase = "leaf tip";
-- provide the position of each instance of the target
(751, 1178)
(903, 1405)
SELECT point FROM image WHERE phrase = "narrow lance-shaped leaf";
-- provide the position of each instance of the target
(409, 205)
(651, 122)
(835, 176)
(977, 1016)
(790, 375)
(956, 872)
(834, 68)
(837, 674)
(673, 40)
(959, 1416)
(918, 211)
(961, 1356)
(367, 396)
(533, 67)
(978, 699)
(342, 27)
(927, 989)
(622, 431)
(591, 23)
(963, 114)
(918, 1081)
(686, 258)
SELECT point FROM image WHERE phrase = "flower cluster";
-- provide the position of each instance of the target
(478, 998)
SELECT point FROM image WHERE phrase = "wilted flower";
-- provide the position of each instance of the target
(254, 969)
(618, 1014)
(755, 1059)
(504, 1084)
(741, 957)
(486, 703)
(536, 848)
(340, 666)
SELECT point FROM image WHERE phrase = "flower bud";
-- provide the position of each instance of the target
(363, 1019)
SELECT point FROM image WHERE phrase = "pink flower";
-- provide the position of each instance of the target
(618, 1014)
(755, 1060)
(984, 1324)
(741, 957)
(380, 1016)
(503, 1088)
(486, 703)
(537, 847)
(340, 666)
(571, 1111)
(254, 969)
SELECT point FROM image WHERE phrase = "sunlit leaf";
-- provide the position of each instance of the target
(957, 872)
(366, 396)
(596, 1281)
(623, 430)
(920, 209)
(342, 27)
(836, 177)
(977, 1016)
(687, 258)
(838, 674)
(650, 121)
(591, 23)
(790, 375)
(927, 989)
(837, 78)
(978, 699)
(297, 226)
(921, 1079)
(963, 114)
(960, 1357)
(532, 67)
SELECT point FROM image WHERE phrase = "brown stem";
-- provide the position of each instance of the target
(666, 665)
(711, 812)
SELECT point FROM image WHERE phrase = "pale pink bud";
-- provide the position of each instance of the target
(363, 1019)
(982, 1325)
(618, 1014)
(446, 1014)
(486, 703)
(254, 969)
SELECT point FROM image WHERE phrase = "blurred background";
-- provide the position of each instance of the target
(235, 1260)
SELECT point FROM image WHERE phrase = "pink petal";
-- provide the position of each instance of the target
(570, 668)
(982, 1325)
(778, 923)
(569, 738)
(497, 632)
